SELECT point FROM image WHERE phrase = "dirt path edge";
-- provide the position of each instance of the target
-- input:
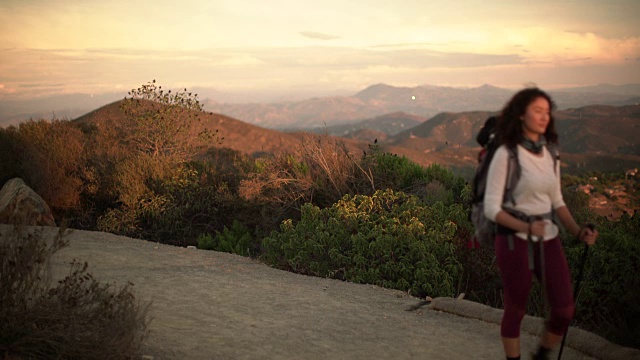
(578, 339)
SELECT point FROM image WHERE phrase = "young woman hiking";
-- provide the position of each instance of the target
(526, 128)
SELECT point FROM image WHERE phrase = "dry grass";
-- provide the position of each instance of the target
(321, 170)
(78, 318)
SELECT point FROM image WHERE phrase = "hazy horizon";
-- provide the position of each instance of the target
(283, 49)
(71, 106)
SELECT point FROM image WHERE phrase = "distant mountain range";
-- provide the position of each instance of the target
(423, 101)
(379, 127)
(319, 112)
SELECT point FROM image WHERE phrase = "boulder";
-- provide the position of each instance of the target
(19, 204)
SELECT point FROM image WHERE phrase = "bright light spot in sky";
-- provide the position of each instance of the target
(413, 97)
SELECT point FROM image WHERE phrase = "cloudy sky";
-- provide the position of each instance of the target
(304, 46)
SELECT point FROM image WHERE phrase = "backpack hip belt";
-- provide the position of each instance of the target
(528, 219)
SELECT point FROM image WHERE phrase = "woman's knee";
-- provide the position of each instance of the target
(511, 320)
(560, 319)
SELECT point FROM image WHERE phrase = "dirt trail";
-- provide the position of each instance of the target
(211, 305)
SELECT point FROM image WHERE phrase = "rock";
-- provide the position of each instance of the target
(19, 204)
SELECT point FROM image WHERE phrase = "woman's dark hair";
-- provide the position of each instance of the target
(509, 124)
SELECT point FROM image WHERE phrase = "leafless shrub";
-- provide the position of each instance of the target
(321, 170)
(78, 318)
(164, 124)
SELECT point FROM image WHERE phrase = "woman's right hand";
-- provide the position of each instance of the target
(588, 235)
(536, 228)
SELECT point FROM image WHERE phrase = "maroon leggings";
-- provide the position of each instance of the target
(516, 281)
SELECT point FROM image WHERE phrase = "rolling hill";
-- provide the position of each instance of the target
(238, 135)
(596, 137)
(254, 140)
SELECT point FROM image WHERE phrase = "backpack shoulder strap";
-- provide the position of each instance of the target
(555, 154)
(513, 174)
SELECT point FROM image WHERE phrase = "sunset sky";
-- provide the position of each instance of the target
(302, 46)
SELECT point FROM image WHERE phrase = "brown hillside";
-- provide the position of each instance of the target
(366, 135)
(602, 138)
(238, 135)
(249, 139)
(600, 129)
(595, 129)
(255, 140)
(447, 128)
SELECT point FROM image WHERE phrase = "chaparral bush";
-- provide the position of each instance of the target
(175, 208)
(608, 300)
(432, 183)
(388, 239)
(235, 240)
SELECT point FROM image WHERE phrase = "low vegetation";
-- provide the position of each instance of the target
(388, 239)
(320, 210)
(77, 318)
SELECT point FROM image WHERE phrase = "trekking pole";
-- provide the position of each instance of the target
(583, 260)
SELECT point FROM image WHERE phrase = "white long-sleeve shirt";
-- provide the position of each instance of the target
(537, 190)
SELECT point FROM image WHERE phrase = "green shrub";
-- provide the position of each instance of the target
(435, 192)
(393, 171)
(480, 278)
(237, 240)
(447, 178)
(388, 239)
(569, 180)
(322, 170)
(578, 203)
(608, 302)
(401, 174)
(175, 209)
(79, 318)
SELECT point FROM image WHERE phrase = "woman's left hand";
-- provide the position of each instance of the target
(588, 236)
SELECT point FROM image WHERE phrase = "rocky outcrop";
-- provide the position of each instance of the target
(19, 204)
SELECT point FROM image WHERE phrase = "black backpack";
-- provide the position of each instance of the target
(485, 229)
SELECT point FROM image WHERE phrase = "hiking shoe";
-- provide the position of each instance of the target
(535, 356)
